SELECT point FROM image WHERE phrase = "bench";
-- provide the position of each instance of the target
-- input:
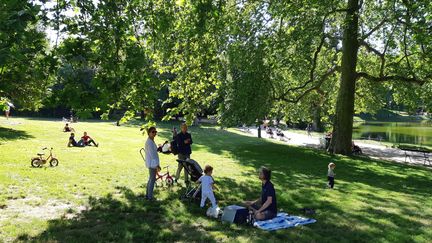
(424, 151)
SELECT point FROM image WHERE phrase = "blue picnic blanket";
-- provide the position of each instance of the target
(283, 221)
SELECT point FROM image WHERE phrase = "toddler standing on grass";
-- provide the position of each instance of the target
(207, 185)
(331, 174)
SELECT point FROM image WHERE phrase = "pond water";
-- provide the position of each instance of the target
(416, 133)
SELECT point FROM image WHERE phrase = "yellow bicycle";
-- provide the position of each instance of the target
(41, 160)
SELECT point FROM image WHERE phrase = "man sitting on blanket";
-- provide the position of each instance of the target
(265, 207)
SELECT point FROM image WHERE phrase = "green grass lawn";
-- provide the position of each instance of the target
(96, 194)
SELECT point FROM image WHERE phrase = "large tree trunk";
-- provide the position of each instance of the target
(316, 123)
(343, 123)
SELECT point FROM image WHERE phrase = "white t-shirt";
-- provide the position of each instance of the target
(166, 147)
(206, 183)
(151, 155)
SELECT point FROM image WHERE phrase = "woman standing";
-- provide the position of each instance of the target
(152, 161)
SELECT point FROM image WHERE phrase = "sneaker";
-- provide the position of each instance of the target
(250, 219)
(153, 199)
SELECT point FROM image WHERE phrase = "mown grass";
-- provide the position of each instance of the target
(373, 201)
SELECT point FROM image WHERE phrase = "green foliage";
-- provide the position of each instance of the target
(247, 87)
(194, 56)
(242, 60)
(147, 125)
(109, 65)
(24, 65)
(128, 115)
(75, 85)
(3, 104)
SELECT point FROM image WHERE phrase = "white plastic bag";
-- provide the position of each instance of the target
(213, 212)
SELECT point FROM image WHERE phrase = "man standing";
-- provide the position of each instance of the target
(184, 141)
(152, 161)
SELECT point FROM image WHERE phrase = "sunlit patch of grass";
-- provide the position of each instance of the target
(103, 189)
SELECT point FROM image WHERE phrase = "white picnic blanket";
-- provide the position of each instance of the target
(283, 221)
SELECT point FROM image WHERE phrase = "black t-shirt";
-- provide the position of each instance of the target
(269, 191)
(182, 147)
(72, 140)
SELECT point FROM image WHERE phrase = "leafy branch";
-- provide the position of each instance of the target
(393, 78)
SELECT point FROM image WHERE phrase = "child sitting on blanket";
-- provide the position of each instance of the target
(331, 174)
(207, 186)
(164, 148)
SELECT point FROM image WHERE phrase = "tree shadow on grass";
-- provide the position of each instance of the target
(300, 174)
(124, 217)
(12, 134)
(127, 217)
(365, 224)
(289, 162)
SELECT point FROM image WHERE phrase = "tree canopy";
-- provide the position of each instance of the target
(310, 61)
(24, 61)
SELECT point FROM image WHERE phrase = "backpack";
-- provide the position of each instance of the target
(174, 146)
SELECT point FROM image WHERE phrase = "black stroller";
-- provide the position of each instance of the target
(195, 171)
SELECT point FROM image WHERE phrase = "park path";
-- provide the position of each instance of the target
(371, 149)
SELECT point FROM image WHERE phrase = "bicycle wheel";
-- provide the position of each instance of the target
(35, 162)
(54, 162)
(169, 181)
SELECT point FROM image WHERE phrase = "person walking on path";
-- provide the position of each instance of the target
(8, 108)
(184, 142)
(152, 162)
(309, 130)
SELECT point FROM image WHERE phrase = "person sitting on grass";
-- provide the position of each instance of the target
(87, 140)
(265, 207)
(269, 131)
(67, 128)
(164, 148)
(356, 149)
(73, 143)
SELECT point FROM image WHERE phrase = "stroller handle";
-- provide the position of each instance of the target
(142, 152)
